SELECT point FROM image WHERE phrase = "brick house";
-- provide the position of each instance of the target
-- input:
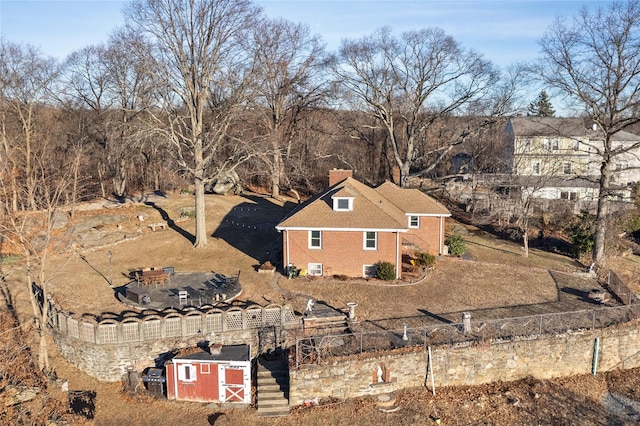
(349, 227)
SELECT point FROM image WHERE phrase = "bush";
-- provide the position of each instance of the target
(582, 233)
(425, 259)
(385, 271)
(187, 213)
(456, 245)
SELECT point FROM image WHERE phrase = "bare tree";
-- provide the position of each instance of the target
(32, 232)
(196, 45)
(288, 66)
(116, 86)
(409, 83)
(593, 60)
(26, 80)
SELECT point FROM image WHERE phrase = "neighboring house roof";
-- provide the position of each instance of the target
(552, 181)
(558, 126)
(384, 207)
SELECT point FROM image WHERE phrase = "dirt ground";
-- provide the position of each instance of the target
(242, 237)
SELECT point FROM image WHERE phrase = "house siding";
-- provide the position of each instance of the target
(342, 252)
(429, 237)
(209, 377)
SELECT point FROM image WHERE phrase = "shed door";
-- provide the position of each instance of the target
(234, 390)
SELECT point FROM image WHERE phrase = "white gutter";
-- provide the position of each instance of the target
(398, 259)
(286, 265)
(314, 228)
(440, 236)
(175, 380)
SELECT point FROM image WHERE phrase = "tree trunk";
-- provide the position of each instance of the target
(276, 169)
(602, 216)
(201, 223)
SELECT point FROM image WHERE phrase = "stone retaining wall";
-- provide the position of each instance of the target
(105, 346)
(470, 364)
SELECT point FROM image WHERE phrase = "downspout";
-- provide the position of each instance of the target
(288, 261)
(398, 259)
(175, 381)
(594, 364)
(441, 235)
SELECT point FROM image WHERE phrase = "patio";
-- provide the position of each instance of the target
(181, 290)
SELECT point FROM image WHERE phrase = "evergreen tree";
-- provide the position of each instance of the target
(541, 107)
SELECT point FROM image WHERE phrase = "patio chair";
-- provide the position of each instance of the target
(183, 295)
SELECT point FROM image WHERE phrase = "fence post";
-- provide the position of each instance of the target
(541, 325)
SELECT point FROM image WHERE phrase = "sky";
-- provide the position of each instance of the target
(504, 31)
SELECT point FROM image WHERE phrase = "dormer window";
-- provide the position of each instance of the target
(343, 204)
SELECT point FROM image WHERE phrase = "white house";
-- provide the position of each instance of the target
(560, 158)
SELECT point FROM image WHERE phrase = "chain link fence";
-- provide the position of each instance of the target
(322, 349)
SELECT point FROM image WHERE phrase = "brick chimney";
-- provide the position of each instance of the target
(338, 175)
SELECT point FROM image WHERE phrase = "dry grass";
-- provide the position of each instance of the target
(500, 275)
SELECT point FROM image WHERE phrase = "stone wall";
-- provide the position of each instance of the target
(470, 364)
(109, 362)
(105, 346)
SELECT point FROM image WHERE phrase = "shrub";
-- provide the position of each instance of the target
(425, 259)
(582, 234)
(187, 213)
(385, 271)
(456, 245)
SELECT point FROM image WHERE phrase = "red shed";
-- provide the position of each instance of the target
(216, 374)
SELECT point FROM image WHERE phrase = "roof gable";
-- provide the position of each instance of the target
(372, 208)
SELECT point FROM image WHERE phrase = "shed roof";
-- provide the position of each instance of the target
(227, 353)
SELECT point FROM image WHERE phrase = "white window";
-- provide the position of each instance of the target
(314, 269)
(550, 144)
(186, 373)
(369, 271)
(535, 168)
(370, 240)
(566, 168)
(576, 145)
(343, 204)
(414, 221)
(569, 195)
(205, 368)
(315, 239)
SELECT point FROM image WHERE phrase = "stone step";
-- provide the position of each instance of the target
(272, 397)
(272, 374)
(267, 401)
(273, 412)
(273, 388)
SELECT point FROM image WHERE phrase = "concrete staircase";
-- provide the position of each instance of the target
(273, 387)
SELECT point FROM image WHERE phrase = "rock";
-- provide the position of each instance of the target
(59, 220)
(17, 394)
(459, 229)
(225, 184)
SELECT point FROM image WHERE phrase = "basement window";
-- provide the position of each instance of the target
(315, 269)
